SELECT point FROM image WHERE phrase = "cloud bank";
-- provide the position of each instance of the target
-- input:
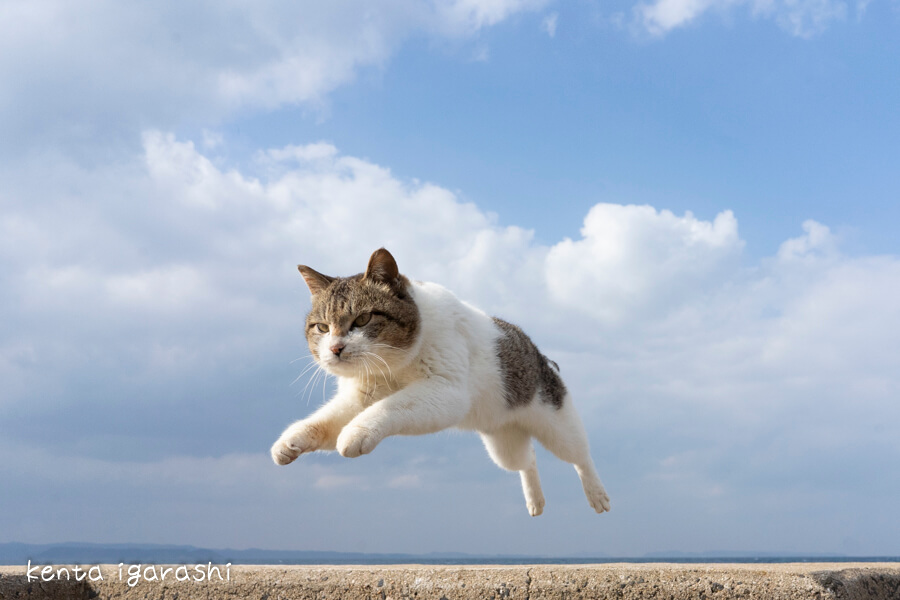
(98, 69)
(153, 308)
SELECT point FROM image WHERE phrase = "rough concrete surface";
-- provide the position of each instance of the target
(795, 581)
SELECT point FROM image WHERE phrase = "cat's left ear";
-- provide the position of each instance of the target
(382, 267)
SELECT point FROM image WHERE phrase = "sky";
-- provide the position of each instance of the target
(690, 205)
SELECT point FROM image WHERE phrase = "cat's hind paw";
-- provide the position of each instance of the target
(356, 440)
(535, 507)
(598, 499)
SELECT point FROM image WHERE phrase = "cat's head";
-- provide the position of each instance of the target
(366, 323)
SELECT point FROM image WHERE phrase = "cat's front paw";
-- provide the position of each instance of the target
(356, 440)
(282, 453)
(297, 439)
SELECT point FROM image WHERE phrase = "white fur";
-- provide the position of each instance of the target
(451, 377)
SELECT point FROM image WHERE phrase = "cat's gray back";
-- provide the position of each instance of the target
(525, 371)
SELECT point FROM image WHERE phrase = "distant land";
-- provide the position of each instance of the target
(89, 554)
(85, 553)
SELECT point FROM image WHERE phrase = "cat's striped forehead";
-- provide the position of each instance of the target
(342, 298)
(346, 298)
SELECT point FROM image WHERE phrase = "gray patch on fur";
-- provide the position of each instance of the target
(525, 370)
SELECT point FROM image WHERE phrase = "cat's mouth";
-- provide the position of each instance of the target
(345, 362)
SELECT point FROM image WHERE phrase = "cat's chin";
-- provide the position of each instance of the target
(340, 367)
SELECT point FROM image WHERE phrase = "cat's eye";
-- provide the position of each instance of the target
(362, 319)
(322, 327)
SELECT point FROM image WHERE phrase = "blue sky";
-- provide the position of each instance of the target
(688, 204)
(737, 115)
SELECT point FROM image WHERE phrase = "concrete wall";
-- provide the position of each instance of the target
(876, 581)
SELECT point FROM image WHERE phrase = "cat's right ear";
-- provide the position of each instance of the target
(382, 267)
(315, 280)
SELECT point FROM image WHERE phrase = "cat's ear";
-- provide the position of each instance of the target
(315, 280)
(382, 267)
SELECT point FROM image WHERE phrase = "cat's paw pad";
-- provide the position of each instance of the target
(598, 499)
(356, 440)
(297, 440)
(283, 454)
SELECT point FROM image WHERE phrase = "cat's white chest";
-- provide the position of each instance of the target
(373, 390)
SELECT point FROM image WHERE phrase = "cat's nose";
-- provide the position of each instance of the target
(337, 349)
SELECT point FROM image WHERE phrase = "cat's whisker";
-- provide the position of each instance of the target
(371, 370)
(383, 345)
(311, 385)
(325, 375)
(324, 382)
(365, 362)
(320, 372)
(380, 370)
(365, 365)
(308, 382)
(387, 366)
(301, 358)
(305, 371)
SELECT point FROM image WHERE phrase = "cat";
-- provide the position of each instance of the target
(410, 359)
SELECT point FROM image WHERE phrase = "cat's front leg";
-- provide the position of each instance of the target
(320, 430)
(356, 440)
(299, 438)
(421, 407)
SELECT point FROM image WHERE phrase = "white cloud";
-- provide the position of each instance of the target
(330, 481)
(186, 499)
(405, 481)
(236, 237)
(802, 18)
(672, 345)
(806, 18)
(549, 24)
(471, 15)
(817, 242)
(861, 7)
(90, 70)
(665, 15)
(302, 154)
(212, 139)
(164, 288)
(630, 257)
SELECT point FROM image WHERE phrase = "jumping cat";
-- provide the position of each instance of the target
(411, 359)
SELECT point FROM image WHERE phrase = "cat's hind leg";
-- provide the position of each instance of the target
(561, 432)
(510, 447)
